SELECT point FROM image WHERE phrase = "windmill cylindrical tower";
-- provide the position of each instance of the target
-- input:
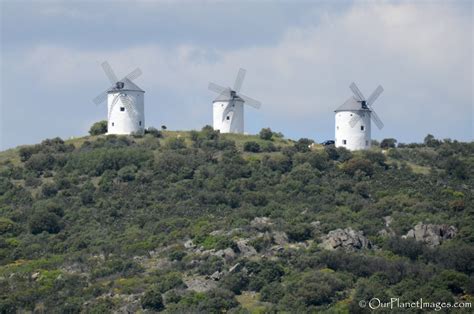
(126, 109)
(356, 136)
(228, 113)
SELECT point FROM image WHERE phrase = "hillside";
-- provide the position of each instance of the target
(203, 222)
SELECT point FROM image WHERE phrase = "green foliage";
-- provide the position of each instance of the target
(43, 220)
(252, 146)
(388, 143)
(303, 144)
(110, 215)
(6, 225)
(266, 134)
(355, 165)
(154, 132)
(152, 300)
(175, 143)
(98, 128)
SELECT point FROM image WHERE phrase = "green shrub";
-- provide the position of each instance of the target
(98, 128)
(6, 225)
(154, 132)
(251, 146)
(266, 134)
(388, 143)
(43, 220)
(152, 300)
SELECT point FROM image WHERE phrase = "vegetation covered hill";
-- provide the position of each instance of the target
(202, 222)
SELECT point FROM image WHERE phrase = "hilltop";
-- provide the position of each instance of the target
(205, 222)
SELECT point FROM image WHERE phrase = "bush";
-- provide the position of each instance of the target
(6, 225)
(252, 146)
(303, 144)
(98, 128)
(272, 292)
(350, 167)
(176, 143)
(152, 300)
(388, 143)
(44, 221)
(266, 134)
(154, 132)
(299, 232)
(127, 173)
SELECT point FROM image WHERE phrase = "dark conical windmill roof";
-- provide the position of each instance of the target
(128, 86)
(350, 105)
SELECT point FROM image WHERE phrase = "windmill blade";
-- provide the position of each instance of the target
(354, 120)
(356, 92)
(100, 98)
(251, 102)
(227, 111)
(109, 72)
(374, 95)
(239, 80)
(217, 88)
(134, 74)
(376, 119)
(114, 102)
(127, 103)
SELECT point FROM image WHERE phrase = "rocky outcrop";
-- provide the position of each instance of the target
(280, 238)
(347, 239)
(261, 223)
(431, 234)
(199, 284)
(246, 250)
(227, 254)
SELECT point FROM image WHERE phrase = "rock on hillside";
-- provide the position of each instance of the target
(431, 234)
(347, 239)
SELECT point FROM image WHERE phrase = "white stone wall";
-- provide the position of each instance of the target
(124, 122)
(355, 137)
(233, 121)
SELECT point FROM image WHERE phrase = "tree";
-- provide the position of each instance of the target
(252, 146)
(44, 221)
(152, 300)
(303, 144)
(431, 141)
(266, 134)
(388, 143)
(98, 128)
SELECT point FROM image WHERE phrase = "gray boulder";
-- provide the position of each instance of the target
(431, 234)
(347, 239)
(246, 249)
(280, 238)
(261, 223)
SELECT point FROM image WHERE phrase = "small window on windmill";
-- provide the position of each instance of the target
(140, 123)
(227, 118)
(366, 143)
(338, 127)
(362, 128)
(344, 142)
(122, 108)
(112, 124)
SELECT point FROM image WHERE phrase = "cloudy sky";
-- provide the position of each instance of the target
(300, 58)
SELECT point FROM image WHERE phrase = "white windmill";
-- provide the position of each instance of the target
(228, 107)
(125, 103)
(353, 130)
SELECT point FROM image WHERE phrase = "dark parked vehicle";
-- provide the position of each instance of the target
(328, 142)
